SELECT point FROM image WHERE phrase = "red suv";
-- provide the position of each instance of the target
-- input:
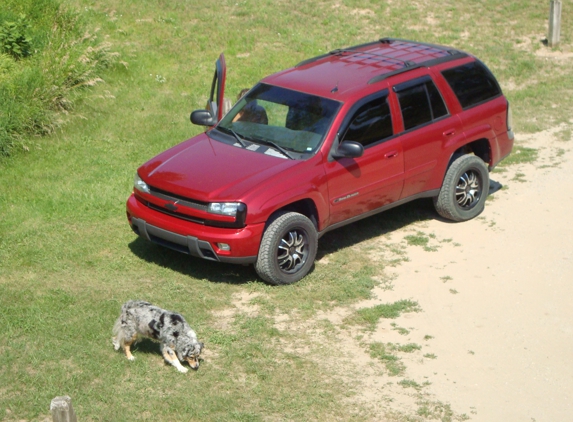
(332, 140)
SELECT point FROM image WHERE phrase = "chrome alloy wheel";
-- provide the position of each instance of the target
(292, 251)
(468, 189)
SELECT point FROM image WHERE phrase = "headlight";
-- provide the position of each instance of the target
(224, 208)
(140, 185)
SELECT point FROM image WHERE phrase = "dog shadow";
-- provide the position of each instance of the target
(377, 225)
(147, 346)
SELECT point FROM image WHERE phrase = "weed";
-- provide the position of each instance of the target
(564, 135)
(370, 316)
(402, 331)
(409, 384)
(520, 155)
(406, 348)
(392, 362)
(419, 239)
(13, 38)
(432, 410)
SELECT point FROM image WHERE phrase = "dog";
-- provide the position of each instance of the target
(142, 319)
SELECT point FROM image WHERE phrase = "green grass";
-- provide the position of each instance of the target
(371, 316)
(387, 353)
(520, 155)
(68, 259)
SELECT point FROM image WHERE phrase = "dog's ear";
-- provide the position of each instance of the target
(201, 346)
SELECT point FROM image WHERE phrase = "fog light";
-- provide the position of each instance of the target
(223, 246)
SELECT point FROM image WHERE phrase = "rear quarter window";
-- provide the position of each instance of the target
(472, 83)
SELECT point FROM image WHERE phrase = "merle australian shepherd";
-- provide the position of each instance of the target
(142, 319)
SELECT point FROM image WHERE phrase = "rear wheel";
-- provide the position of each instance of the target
(288, 249)
(464, 190)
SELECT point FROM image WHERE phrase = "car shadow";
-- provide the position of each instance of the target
(216, 272)
(385, 222)
(360, 231)
(377, 225)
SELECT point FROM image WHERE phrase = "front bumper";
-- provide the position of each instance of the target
(195, 239)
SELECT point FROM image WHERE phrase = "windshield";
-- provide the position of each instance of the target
(289, 120)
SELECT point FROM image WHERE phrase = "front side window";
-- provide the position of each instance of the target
(371, 123)
(295, 121)
(420, 103)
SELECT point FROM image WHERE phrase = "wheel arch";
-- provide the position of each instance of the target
(480, 148)
(305, 206)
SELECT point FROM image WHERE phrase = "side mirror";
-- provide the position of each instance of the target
(202, 118)
(349, 149)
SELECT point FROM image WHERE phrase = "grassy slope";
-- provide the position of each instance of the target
(68, 259)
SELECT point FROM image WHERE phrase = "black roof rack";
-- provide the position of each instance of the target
(450, 54)
(406, 63)
(428, 63)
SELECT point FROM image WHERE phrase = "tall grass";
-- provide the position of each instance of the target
(38, 88)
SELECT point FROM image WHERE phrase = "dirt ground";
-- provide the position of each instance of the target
(495, 300)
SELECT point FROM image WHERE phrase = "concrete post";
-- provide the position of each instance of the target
(62, 410)
(554, 23)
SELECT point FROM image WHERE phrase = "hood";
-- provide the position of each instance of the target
(205, 169)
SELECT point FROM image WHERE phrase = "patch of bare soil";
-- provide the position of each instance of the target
(496, 326)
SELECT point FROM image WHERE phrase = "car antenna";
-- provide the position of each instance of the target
(335, 89)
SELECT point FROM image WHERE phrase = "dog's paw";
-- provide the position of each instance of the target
(132, 358)
(183, 370)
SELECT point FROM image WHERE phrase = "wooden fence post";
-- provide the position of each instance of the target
(62, 410)
(554, 23)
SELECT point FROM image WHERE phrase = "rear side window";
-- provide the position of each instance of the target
(371, 123)
(420, 102)
(472, 83)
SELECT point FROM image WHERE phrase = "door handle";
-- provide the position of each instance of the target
(391, 154)
(449, 132)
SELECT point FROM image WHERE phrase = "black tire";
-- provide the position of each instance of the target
(288, 249)
(464, 190)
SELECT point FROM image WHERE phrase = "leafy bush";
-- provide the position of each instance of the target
(13, 40)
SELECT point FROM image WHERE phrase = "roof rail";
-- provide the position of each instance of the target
(452, 55)
(407, 64)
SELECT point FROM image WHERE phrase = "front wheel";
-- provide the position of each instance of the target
(464, 190)
(287, 250)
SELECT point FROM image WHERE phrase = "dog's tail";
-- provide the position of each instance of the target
(118, 335)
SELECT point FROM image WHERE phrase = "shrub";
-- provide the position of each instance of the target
(13, 40)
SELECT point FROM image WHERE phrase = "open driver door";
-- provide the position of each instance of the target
(216, 106)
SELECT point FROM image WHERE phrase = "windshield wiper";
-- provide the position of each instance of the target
(273, 145)
(238, 138)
